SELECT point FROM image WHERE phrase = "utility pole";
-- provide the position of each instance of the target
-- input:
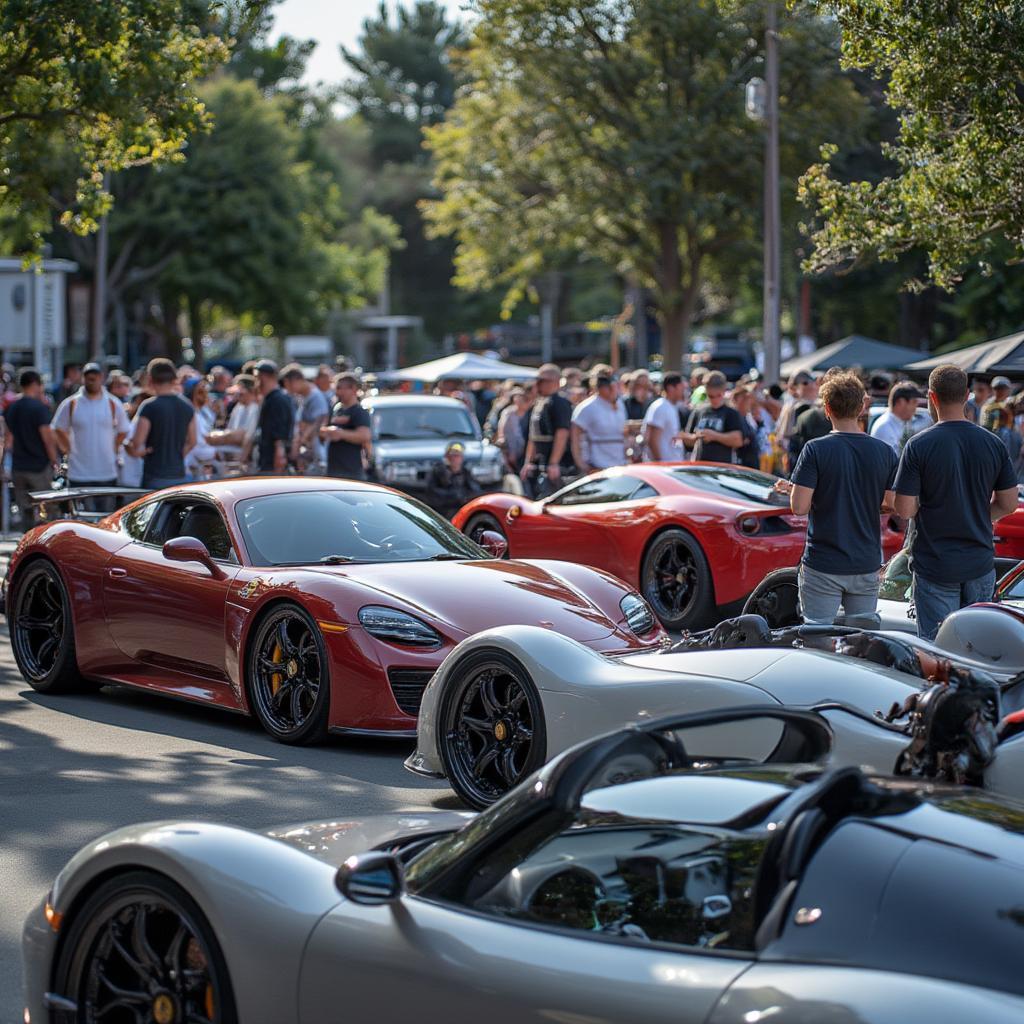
(772, 204)
(99, 287)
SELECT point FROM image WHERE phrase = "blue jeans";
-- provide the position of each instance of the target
(822, 593)
(934, 601)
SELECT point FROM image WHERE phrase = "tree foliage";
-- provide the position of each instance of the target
(953, 73)
(94, 87)
(616, 129)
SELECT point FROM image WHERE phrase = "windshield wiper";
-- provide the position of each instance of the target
(385, 436)
(335, 559)
(447, 556)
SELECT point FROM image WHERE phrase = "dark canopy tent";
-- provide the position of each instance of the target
(1000, 356)
(855, 350)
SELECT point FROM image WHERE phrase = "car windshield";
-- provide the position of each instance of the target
(310, 527)
(733, 483)
(420, 422)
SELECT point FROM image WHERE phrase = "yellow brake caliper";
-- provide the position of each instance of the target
(277, 678)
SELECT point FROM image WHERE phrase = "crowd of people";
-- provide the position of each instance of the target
(846, 448)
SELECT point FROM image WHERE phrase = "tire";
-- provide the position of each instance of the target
(482, 521)
(776, 599)
(43, 632)
(145, 935)
(676, 581)
(491, 728)
(291, 702)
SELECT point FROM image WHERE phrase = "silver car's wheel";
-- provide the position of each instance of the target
(776, 599)
(492, 727)
(139, 949)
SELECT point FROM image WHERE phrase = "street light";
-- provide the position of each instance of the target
(762, 105)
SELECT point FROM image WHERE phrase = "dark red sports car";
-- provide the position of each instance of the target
(691, 536)
(315, 605)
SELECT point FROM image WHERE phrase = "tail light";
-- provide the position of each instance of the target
(749, 525)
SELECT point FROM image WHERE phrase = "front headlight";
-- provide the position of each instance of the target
(639, 616)
(397, 627)
(401, 472)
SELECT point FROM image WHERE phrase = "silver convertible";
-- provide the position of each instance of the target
(506, 700)
(623, 883)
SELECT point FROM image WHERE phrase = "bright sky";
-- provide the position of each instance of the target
(331, 24)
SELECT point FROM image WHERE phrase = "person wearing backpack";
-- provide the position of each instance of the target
(90, 426)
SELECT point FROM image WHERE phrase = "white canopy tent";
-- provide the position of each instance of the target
(461, 366)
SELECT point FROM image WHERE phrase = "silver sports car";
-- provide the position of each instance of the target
(623, 883)
(506, 700)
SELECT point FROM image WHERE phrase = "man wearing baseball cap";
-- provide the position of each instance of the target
(89, 427)
(451, 484)
(993, 408)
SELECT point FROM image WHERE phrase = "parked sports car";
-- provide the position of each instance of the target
(314, 605)
(621, 884)
(691, 536)
(507, 700)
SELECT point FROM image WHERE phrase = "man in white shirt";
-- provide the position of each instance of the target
(235, 438)
(90, 427)
(903, 419)
(661, 421)
(598, 429)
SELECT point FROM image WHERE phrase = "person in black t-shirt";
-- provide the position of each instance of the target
(715, 430)
(348, 432)
(955, 479)
(548, 455)
(165, 429)
(451, 484)
(276, 422)
(842, 482)
(34, 455)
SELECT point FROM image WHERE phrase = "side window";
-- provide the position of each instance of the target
(136, 521)
(193, 519)
(648, 882)
(604, 490)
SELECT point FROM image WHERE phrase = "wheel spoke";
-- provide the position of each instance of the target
(283, 693)
(140, 942)
(38, 622)
(172, 958)
(127, 957)
(296, 705)
(47, 648)
(484, 759)
(477, 725)
(489, 695)
(507, 767)
(287, 647)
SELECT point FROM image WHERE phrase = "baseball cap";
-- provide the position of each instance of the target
(455, 446)
(91, 368)
(997, 382)
(801, 377)
(266, 366)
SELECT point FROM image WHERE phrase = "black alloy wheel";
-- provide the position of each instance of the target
(42, 633)
(139, 951)
(479, 524)
(492, 732)
(776, 598)
(676, 581)
(289, 680)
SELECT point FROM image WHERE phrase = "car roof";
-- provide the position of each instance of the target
(241, 488)
(670, 477)
(385, 401)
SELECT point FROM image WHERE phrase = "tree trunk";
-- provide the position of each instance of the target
(679, 286)
(195, 327)
(169, 309)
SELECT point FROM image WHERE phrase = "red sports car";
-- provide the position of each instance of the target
(691, 536)
(315, 605)
(1009, 534)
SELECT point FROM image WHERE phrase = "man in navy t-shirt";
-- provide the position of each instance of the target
(956, 480)
(842, 481)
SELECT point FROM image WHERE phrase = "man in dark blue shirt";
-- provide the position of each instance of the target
(842, 481)
(34, 455)
(956, 480)
(277, 420)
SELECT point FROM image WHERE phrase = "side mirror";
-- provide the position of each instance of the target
(371, 879)
(189, 549)
(493, 543)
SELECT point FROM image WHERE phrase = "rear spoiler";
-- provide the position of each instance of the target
(69, 501)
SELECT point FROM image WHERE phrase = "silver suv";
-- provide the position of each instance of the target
(410, 433)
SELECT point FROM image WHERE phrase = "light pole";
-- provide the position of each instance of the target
(772, 204)
(99, 291)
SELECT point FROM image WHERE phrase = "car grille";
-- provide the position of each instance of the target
(408, 684)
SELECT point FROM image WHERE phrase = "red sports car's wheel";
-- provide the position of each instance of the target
(776, 598)
(42, 633)
(480, 523)
(676, 581)
(492, 732)
(140, 949)
(289, 680)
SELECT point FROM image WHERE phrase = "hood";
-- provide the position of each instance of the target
(473, 596)
(333, 842)
(425, 450)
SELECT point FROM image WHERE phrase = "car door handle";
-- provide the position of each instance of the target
(117, 573)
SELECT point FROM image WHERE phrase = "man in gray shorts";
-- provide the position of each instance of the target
(842, 482)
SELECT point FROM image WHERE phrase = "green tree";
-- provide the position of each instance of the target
(246, 226)
(616, 129)
(952, 70)
(95, 87)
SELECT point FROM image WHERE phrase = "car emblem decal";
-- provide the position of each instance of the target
(253, 587)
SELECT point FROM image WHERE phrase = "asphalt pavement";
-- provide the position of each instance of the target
(74, 767)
